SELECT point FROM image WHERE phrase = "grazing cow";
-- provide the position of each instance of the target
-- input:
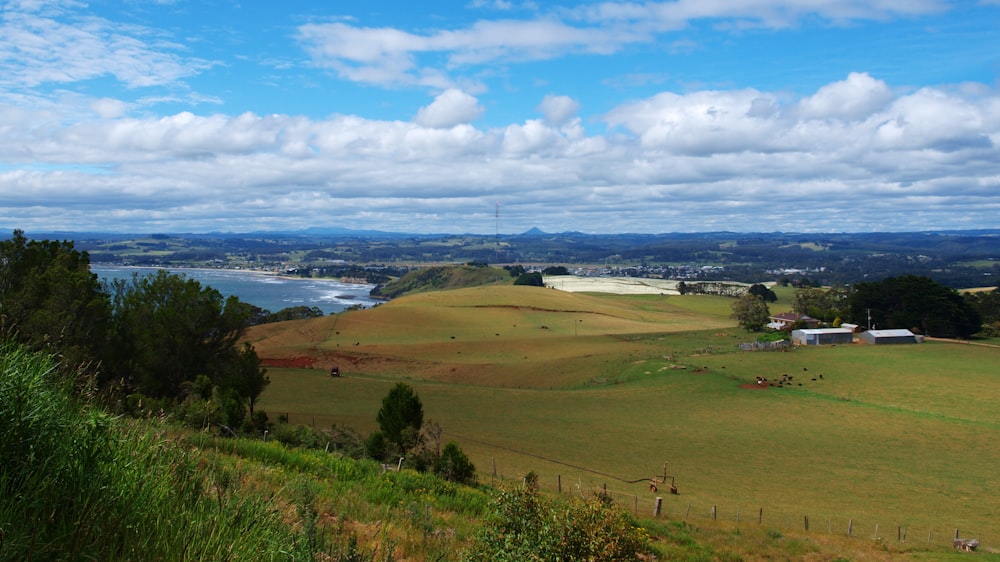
(335, 371)
(966, 545)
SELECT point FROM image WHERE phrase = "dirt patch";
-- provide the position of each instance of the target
(289, 362)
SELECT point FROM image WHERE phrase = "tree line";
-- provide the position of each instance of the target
(153, 339)
(913, 302)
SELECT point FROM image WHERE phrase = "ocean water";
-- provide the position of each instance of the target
(265, 290)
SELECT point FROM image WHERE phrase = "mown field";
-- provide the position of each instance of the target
(599, 390)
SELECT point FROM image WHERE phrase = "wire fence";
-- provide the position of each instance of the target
(677, 507)
(871, 528)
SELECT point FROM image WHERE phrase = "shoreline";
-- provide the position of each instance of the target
(265, 272)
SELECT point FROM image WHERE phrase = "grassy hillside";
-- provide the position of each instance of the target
(592, 391)
(504, 336)
(443, 277)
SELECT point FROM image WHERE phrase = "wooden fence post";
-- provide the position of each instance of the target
(806, 519)
(850, 527)
(657, 505)
(714, 513)
(560, 483)
(760, 516)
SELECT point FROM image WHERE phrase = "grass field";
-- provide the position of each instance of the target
(594, 390)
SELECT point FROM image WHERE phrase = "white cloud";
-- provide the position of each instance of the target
(856, 97)
(452, 107)
(36, 50)
(696, 161)
(109, 108)
(558, 109)
(391, 57)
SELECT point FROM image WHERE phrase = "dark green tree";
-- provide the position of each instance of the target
(401, 417)
(986, 303)
(170, 330)
(914, 302)
(50, 300)
(763, 292)
(751, 312)
(533, 279)
(515, 270)
(245, 377)
(454, 465)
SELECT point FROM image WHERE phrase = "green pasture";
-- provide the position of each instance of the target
(894, 436)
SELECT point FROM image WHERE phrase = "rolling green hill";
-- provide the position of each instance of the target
(593, 391)
(443, 277)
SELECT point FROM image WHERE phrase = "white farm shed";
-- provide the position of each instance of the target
(822, 336)
(888, 336)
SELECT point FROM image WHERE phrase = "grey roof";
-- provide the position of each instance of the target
(898, 333)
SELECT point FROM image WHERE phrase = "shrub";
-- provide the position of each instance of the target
(524, 525)
(454, 465)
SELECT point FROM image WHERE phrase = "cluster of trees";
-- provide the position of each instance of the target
(402, 433)
(913, 302)
(916, 303)
(987, 304)
(154, 340)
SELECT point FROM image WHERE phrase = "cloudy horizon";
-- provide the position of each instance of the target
(598, 117)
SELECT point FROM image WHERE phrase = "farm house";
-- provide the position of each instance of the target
(822, 336)
(888, 336)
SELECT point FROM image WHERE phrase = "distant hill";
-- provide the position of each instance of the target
(443, 277)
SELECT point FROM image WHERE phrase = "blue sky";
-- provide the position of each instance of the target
(601, 117)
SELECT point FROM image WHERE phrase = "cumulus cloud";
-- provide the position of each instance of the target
(856, 97)
(711, 159)
(558, 109)
(452, 107)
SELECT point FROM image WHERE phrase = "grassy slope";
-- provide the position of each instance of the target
(894, 436)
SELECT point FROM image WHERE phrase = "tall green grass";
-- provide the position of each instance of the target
(79, 484)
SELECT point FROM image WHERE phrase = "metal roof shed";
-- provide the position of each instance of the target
(822, 336)
(888, 336)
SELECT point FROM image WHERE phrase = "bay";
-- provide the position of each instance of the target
(265, 290)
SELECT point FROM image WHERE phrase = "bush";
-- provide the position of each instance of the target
(524, 526)
(454, 465)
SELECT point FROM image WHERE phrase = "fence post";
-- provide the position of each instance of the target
(806, 519)
(715, 513)
(560, 483)
(760, 516)
(850, 527)
(657, 505)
